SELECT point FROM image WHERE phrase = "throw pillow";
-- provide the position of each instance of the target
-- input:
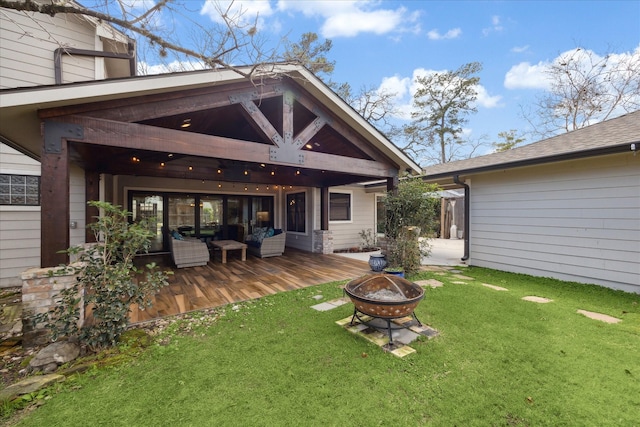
(259, 234)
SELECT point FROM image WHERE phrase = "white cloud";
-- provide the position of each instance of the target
(496, 26)
(451, 34)
(520, 49)
(527, 76)
(242, 12)
(485, 100)
(350, 18)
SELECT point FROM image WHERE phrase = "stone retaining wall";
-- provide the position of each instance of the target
(40, 288)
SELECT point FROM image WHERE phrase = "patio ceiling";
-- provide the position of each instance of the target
(274, 133)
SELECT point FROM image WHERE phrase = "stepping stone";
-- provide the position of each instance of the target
(461, 277)
(431, 268)
(431, 282)
(494, 287)
(540, 300)
(460, 283)
(599, 316)
(330, 305)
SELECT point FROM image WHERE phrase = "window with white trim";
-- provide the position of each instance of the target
(339, 207)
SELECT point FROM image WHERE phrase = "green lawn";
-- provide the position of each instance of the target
(498, 361)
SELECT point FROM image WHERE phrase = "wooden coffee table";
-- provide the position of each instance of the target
(229, 245)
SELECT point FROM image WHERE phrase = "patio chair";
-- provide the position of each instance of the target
(267, 246)
(188, 251)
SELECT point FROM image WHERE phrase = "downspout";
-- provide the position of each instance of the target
(57, 58)
(456, 179)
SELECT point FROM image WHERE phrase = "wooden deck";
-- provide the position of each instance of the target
(218, 284)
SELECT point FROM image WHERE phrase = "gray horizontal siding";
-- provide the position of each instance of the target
(34, 52)
(575, 220)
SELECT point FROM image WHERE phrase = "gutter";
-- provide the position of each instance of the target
(456, 179)
(57, 58)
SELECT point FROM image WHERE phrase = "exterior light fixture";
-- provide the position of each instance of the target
(190, 168)
(185, 123)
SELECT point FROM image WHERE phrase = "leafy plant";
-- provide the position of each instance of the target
(108, 281)
(368, 239)
(410, 215)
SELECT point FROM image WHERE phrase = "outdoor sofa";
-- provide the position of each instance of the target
(188, 251)
(266, 242)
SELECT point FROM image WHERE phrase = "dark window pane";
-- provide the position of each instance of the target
(339, 207)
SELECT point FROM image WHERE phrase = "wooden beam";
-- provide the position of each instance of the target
(54, 205)
(142, 137)
(165, 104)
(341, 127)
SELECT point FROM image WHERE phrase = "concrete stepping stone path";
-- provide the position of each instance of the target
(599, 316)
(539, 300)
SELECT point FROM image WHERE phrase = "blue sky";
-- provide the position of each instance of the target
(386, 43)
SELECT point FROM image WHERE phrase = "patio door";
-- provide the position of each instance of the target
(150, 208)
(261, 212)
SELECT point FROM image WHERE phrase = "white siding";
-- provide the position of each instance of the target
(77, 206)
(363, 209)
(577, 220)
(27, 60)
(19, 225)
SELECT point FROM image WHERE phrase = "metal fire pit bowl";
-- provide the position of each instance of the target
(384, 296)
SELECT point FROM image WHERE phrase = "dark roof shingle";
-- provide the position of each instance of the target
(606, 137)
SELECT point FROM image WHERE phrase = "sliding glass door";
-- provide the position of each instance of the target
(208, 217)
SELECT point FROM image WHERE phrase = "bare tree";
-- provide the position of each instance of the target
(442, 103)
(232, 41)
(586, 89)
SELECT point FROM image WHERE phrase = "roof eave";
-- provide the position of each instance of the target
(613, 149)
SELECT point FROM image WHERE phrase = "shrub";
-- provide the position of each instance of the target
(107, 282)
(410, 214)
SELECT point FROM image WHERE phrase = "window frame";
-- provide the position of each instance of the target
(24, 187)
(349, 220)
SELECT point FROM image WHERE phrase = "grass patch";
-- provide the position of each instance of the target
(498, 361)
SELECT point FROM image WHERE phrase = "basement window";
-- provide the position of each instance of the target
(19, 190)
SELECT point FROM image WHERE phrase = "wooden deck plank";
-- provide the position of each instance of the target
(216, 284)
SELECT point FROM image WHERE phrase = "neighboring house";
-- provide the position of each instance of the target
(566, 207)
(37, 50)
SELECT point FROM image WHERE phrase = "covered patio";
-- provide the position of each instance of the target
(218, 284)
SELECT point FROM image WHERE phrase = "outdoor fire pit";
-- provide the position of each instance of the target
(384, 296)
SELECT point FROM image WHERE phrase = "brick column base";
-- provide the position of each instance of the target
(322, 242)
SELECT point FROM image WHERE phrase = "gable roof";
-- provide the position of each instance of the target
(19, 121)
(616, 135)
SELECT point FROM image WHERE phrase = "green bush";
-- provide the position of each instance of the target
(108, 281)
(410, 214)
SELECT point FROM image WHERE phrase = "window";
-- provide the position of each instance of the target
(19, 190)
(296, 212)
(339, 207)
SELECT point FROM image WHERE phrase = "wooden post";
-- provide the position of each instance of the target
(324, 208)
(92, 192)
(54, 206)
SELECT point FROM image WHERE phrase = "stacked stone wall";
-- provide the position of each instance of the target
(40, 290)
